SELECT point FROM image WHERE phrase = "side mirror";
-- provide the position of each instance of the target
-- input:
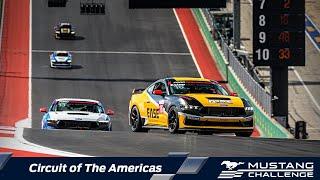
(158, 92)
(43, 110)
(234, 94)
(110, 112)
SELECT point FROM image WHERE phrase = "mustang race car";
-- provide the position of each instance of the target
(64, 31)
(61, 59)
(68, 113)
(190, 104)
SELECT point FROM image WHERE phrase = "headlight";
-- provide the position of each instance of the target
(247, 107)
(185, 106)
(52, 121)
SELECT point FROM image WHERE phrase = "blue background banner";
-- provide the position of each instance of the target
(162, 168)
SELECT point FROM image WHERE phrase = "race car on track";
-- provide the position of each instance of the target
(69, 113)
(60, 59)
(190, 104)
(64, 31)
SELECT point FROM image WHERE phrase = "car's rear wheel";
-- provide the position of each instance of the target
(135, 120)
(173, 120)
(243, 134)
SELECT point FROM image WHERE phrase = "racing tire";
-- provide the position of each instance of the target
(243, 134)
(135, 120)
(173, 120)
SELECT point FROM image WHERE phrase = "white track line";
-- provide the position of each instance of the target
(118, 52)
(7, 128)
(312, 41)
(307, 89)
(2, 19)
(29, 122)
(187, 41)
(18, 142)
(6, 132)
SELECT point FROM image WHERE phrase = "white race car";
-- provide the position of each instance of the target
(70, 113)
(61, 59)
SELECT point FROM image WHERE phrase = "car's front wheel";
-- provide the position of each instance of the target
(173, 120)
(135, 120)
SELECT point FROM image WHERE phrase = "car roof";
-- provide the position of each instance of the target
(65, 24)
(77, 99)
(61, 52)
(190, 79)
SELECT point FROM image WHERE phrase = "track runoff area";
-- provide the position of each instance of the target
(37, 81)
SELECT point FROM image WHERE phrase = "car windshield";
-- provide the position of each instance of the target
(78, 106)
(62, 54)
(197, 87)
(65, 26)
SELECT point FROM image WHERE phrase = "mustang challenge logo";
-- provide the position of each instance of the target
(267, 170)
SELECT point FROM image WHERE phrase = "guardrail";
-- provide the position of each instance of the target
(262, 97)
(267, 126)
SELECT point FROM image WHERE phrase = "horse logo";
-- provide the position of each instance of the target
(231, 165)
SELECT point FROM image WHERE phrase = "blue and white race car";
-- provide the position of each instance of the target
(60, 59)
(70, 113)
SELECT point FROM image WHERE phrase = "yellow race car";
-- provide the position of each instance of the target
(182, 104)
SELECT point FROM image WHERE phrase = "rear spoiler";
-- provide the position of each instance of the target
(137, 91)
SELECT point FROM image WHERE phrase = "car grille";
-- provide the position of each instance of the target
(61, 64)
(222, 111)
(65, 30)
(77, 124)
(190, 122)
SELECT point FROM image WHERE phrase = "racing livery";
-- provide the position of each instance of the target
(64, 31)
(190, 104)
(70, 113)
(60, 59)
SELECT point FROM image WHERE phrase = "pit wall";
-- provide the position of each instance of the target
(267, 126)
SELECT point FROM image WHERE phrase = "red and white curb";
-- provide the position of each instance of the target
(17, 142)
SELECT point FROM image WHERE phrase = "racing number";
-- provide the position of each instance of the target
(284, 53)
(284, 37)
(152, 113)
(284, 19)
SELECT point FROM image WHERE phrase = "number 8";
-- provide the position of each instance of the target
(262, 20)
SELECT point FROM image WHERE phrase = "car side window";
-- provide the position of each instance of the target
(53, 106)
(150, 89)
(160, 86)
(99, 109)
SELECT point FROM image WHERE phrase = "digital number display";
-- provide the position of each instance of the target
(278, 32)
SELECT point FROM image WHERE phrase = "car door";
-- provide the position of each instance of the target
(154, 106)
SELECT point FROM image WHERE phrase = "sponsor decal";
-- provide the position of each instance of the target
(220, 101)
(266, 170)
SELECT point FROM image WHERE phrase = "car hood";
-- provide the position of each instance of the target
(215, 100)
(77, 115)
(61, 59)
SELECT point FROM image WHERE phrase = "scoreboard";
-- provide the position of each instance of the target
(279, 32)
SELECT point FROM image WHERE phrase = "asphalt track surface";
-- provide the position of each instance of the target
(110, 78)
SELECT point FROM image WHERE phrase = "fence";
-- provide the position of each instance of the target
(262, 97)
